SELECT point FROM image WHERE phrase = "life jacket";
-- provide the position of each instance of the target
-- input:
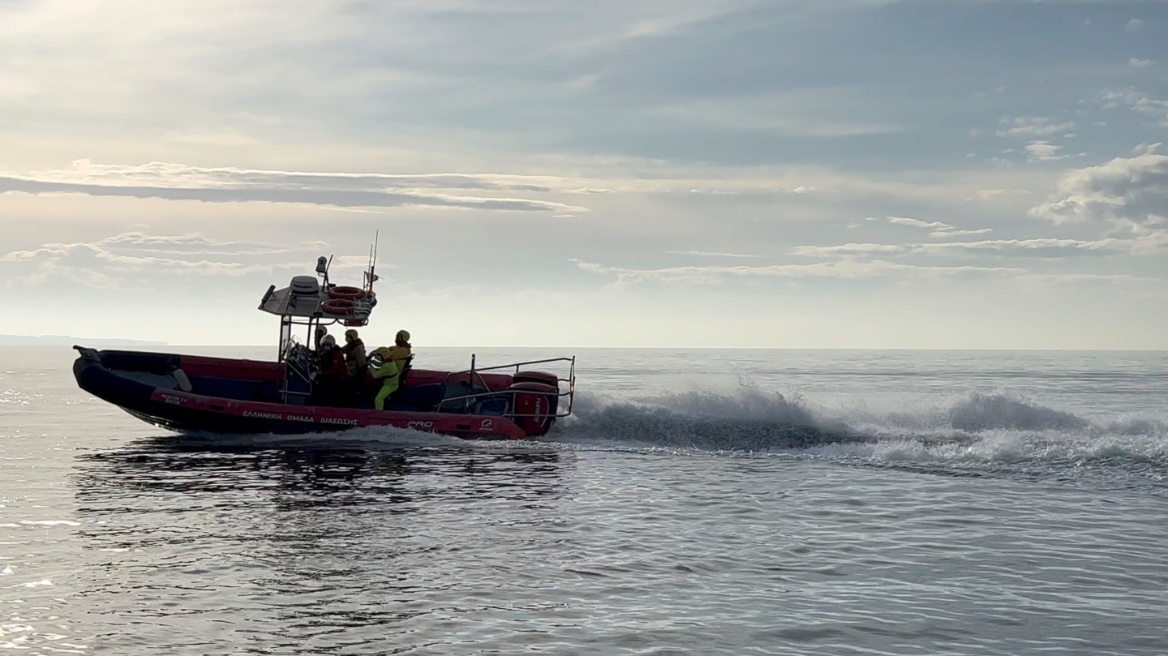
(334, 365)
(401, 354)
(395, 363)
(355, 357)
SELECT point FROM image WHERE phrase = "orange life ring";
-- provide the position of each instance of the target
(342, 307)
(345, 293)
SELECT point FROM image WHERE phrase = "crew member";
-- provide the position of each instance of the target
(321, 333)
(402, 352)
(332, 379)
(392, 364)
(385, 370)
(354, 351)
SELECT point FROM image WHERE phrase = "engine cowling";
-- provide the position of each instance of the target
(541, 377)
(534, 406)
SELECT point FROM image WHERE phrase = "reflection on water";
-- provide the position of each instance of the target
(286, 546)
(313, 475)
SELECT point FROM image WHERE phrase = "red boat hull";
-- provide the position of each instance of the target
(216, 414)
(249, 397)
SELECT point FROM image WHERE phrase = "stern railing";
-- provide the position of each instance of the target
(565, 387)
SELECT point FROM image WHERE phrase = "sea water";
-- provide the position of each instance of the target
(697, 502)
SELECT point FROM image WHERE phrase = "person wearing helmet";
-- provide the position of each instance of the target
(390, 366)
(356, 364)
(318, 337)
(402, 351)
(332, 377)
(354, 351)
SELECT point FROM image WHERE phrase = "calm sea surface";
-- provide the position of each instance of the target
(698, 502)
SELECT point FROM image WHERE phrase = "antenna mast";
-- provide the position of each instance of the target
(370, 275)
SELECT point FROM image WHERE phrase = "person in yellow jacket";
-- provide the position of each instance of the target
(392, 365)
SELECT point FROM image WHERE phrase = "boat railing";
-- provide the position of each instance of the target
(565, 387)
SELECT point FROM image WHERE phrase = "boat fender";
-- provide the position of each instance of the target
(184, 383)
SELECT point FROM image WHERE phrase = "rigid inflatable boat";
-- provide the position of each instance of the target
(190, 393)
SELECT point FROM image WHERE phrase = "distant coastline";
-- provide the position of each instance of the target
(65, 340)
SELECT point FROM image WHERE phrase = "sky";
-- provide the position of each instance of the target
(935, 174)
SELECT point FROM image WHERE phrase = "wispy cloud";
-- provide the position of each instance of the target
(1038, 246)
(1149, 244)
(714, 254)
(1043, 151)
(111, 262)
(939, 229)
(847, 269)
(1033, 126)
(917, 223)
(344, 190)
(1138, 102)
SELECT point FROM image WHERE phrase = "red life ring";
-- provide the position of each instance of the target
(345, 293)
(342, 307)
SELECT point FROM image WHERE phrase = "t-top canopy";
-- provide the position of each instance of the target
(304, 297)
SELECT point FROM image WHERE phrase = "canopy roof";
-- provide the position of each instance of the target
(306, 299)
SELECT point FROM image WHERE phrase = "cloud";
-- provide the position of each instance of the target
(1149, 244)
(194, 244)
(963, 233)
(1134, 25)
(1139, 63)
(847, 269)
(939, 229)
(339, 190)
(713, 254)
(1138, 102)
(1043, 151)
(1039, 246)
(847, 250)
(1153, 107)
(135, 256)
(1126, 189)
(1033, 126)
(917, 223)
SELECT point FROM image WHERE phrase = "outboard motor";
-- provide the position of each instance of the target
(546, 379)
(534, 407)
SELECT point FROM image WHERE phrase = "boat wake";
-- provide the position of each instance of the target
(978, 434)
(754, 420)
